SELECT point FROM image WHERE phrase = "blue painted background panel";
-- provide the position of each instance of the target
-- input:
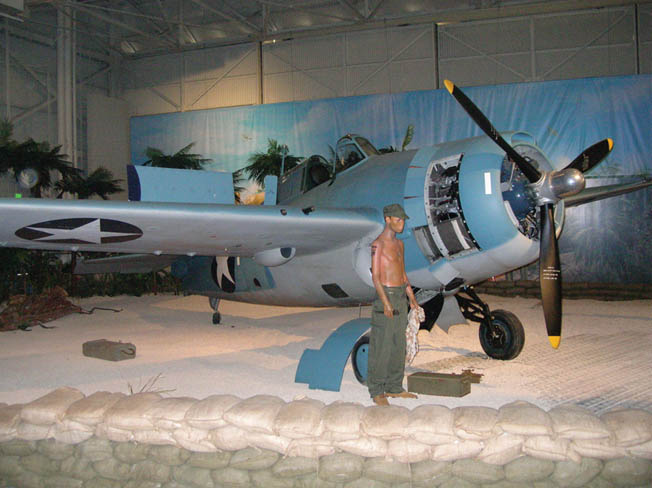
(602, 241)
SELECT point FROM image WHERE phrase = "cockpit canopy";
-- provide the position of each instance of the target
(351, 149)
(316, 170)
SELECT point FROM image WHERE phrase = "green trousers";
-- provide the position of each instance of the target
(386, 366)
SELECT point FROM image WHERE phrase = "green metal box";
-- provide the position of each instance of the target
(109, 350)
(440, 384)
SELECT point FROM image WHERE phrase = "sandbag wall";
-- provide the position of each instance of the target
(66, 439)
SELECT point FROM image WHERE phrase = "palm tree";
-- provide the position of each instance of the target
(270, 162)
(100, 182)
(238, 189)
(409, 134)
(38, 156)
(182, 159)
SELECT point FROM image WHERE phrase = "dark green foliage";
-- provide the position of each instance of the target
(100, 182)
(270, 162)
(32, 272)
(17, 156)
(182, 159)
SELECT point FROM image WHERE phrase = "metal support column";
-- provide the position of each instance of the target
(65, 84)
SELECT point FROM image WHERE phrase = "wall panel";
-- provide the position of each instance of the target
(600, 42)
(353, 63)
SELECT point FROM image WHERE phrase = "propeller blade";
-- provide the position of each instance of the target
(592, 155)
(530, 172)
(550, 274)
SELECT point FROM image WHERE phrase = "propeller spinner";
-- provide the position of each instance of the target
(548, 188)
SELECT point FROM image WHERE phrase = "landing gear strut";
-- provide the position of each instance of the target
(501, 332)
(215, 303)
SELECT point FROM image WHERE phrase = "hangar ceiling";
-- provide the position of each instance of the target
(134, 28)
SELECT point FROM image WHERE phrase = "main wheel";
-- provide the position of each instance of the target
(360, 359)
(504, 337)
(217, 318)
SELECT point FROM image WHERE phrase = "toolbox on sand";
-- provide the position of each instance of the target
(109, 350)
(441, 384)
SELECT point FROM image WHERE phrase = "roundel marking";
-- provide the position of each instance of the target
(87, 230)
(223, 273)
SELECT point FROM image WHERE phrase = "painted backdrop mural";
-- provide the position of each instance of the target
(602, 241)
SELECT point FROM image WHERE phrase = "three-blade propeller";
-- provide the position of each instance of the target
(549, 188)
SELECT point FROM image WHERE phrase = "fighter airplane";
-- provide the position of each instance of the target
(478, 208)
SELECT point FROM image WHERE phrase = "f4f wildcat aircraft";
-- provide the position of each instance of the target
(478, 208)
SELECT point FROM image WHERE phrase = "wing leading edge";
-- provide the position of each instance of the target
(178, 228)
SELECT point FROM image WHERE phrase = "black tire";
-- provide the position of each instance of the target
(359, 359)
(504, 338)
(217, 318)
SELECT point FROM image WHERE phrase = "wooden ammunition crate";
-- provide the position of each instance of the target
(440, 384)
(109, 350)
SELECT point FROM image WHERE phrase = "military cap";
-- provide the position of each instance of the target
(395, 210)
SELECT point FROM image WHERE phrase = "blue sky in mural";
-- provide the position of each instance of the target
(564, 117)
(599, 242)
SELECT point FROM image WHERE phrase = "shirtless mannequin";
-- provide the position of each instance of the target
(389, 312)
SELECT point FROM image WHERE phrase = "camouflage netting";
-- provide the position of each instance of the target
(22, 311)
(66, 439)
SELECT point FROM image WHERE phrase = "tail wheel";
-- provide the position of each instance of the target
(504, 337)
(360, 359)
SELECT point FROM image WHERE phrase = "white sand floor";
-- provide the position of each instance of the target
(604, 360)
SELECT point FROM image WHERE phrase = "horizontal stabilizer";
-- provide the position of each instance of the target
(130, 263)
(148, 184)
(600, 192)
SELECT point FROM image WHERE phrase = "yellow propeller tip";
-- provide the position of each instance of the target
(449, 85)
(611, 143)
(554, 341)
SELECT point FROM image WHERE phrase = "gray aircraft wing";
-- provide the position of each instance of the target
(179, 228)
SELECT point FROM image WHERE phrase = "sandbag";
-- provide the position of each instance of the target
(314, 447)
(629, 426)
(389, 472)
(342, 420)
(169, 413)
(229, 438)
(388, 422)
(50, 408)
(523, 418)
(477, 471)
(9, 419)
(365, 446)
(209, 413)
(196, 440)
(502, 449)
(474, 423)
(457, 450)
(598, 448)
(553, 449)
(528, 469)
(256, 413)
(251, 459)
(573, 422)
(431, 424)
(128, 413)
(273, 442)
(300, 419)
(32, 432)
(340, 467)
(569, 474)
(408, 450)
(71, 432)
(91, 409)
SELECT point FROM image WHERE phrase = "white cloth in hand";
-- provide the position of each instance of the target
(415, 317)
